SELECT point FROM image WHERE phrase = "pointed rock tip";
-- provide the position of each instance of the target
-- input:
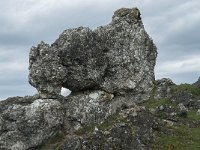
(132, 15)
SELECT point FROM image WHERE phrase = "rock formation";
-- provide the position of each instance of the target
(26, 122)
(118, 58)
(115, 102)
(107, 69)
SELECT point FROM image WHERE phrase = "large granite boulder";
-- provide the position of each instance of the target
(118, 58)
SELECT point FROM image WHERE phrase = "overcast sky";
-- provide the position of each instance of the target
(173, 25)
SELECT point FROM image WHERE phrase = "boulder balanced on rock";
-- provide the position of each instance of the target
(118, 58)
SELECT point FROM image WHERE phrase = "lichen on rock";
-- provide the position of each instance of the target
(118, 58)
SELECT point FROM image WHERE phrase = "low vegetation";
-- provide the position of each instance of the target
(153, 103)
(178, 138)
(192, 115)
(187, 87)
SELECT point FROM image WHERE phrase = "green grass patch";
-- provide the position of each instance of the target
(192, 115)
(154, 103)
(186, 87)
(179, 138)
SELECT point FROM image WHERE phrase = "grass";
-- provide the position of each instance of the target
(192, 115)
(153, 103)
(186, 87)
(180, 138)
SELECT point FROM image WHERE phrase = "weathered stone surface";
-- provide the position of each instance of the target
(198, 112)
(118, 58)
(27, 122)
(109, 70)
(163, 88)
(124, 130)
(88, 107)
(90, 119)
(46, 74)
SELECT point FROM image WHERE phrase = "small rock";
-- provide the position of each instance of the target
(96, 129)
(161, 108)
(181, 107)
(163, 88)
(152, 110)
(169, 123)
(182, 110)
(198, 112)
(196, 104)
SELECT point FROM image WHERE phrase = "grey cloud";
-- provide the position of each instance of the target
(47, 18)
(180, 78)
(180, 68)
(16, 90)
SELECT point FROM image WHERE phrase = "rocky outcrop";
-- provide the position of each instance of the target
(131, 128)
(108, 70)
(115, 102)
(163, 88)
(94, 119)
(118, 58)
(27, 122)
(30, 123)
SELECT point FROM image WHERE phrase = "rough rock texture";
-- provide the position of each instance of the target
(95, 106)
(88, 107)
(182, 97)
(118, 58)
(46, 74)
(95, 119)
(27, 122)
(163, 88)
(110, 71)
(130, 129)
